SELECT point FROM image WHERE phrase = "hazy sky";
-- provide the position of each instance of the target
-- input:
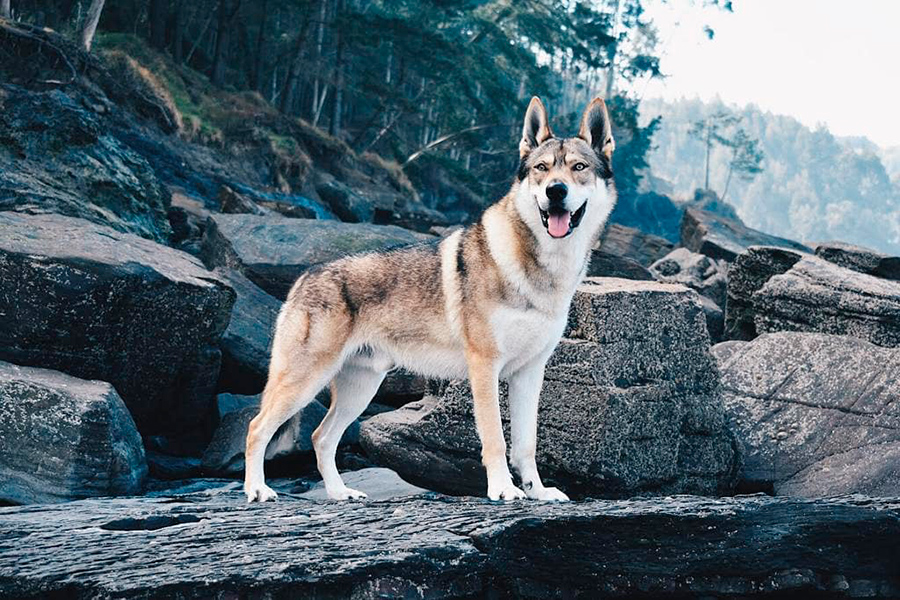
(828, 61)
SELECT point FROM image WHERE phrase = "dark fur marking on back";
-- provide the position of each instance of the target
(348, 300)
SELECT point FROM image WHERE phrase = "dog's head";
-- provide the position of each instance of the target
(564, 183)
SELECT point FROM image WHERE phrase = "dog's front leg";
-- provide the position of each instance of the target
(483, 375)
(524, 392)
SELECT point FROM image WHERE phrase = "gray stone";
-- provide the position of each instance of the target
(247, 342)
(377, 482)
(273, 251)
(63, 438)
(815, 413)
(56, 156)
(232, 202)
(401, 387)
(815, 295)
(747, 274)
(632, 243)
(215, 545)
(349, 206)
(175, 468)
(723, 238)
(630, 406)
(605, 264)
(857, 258)
(225, 453)
(99, 304)
(708, 276)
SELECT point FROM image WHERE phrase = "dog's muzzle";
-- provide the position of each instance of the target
(559, 222)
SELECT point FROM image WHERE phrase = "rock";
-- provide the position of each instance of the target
(633, 243)
(229, 403)
(99, 304)
(857, 258)
(815, 295)
(349, 206)
(273, 251)
(401, 387)
(287, 209)
(815, 413)
(187, 217)
(174, 468)
(604, 264)
(225, 453)
(246, 344)
(232, 202)
(746, 275)
(63, 438)
(378, 482)
(722, 238)
(630, 406)
(58, 157)
(680, 547)
(715, 319)
(697, 271)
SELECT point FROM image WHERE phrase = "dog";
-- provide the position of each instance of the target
(488, 302)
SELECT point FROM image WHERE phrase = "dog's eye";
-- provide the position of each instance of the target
(579, 167)
(540, 167)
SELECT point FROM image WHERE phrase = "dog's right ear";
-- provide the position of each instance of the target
(536, 129)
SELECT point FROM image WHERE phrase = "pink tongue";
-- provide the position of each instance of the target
(558, 224)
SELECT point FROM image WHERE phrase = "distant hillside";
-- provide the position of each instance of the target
(814, 186)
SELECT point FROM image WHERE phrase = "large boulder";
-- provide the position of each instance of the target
(857, 258)
(815, 295)
(273, 251)
(63, 438)
(629, 405)
(816, 413)
(723, 238)
(56, 156)
(192, 542)
(746, 275)
(99, 304)
(632, 243)
(605, 264)
(225, 453)
(247, 343)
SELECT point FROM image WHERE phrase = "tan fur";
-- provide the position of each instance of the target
(488, 302)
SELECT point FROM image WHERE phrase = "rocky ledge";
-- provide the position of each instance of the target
(215, 545)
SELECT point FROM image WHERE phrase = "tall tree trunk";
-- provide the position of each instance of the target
(227, 10)
(290, 84)
(157, 16)
(90, 24)
(730, 171)
(338, 106)
(611, 72)
(320, 38)
(708, 149)
(5, 10)
(256, 74)
(178, 33)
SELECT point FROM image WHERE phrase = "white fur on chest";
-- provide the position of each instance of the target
(525, 334)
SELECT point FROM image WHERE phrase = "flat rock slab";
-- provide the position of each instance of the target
(816, 413)
(858, 258)
(96, 303)
(273, 252)
(199, 545)
(628, 242)
(723, 238)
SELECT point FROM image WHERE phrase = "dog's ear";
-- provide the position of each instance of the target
(536, 129)
(596, 128)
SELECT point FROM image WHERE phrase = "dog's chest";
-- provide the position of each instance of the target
(525, 333)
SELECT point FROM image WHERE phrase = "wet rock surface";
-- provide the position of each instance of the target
(630, 405)
(815, 413)
(99, 304)
(63, 438)
(56, 156)
(200, 545)
(273, 251)
(723, 238)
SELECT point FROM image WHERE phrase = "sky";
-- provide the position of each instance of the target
(820, 61)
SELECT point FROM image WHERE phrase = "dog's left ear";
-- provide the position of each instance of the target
(596, 128)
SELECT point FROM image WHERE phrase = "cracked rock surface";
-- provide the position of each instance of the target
(816, 413)
(215, 545)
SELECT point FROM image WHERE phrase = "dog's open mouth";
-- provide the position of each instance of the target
(559, 224)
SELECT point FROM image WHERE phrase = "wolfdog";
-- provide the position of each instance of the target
(488, 302)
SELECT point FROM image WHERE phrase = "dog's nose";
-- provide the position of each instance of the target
(557, 192)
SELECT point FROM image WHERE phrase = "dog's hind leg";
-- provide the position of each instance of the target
(351, 391)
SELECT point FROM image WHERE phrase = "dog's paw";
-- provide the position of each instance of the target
(506, 492)
(346, 493)
(548, 494)
(259, 492)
